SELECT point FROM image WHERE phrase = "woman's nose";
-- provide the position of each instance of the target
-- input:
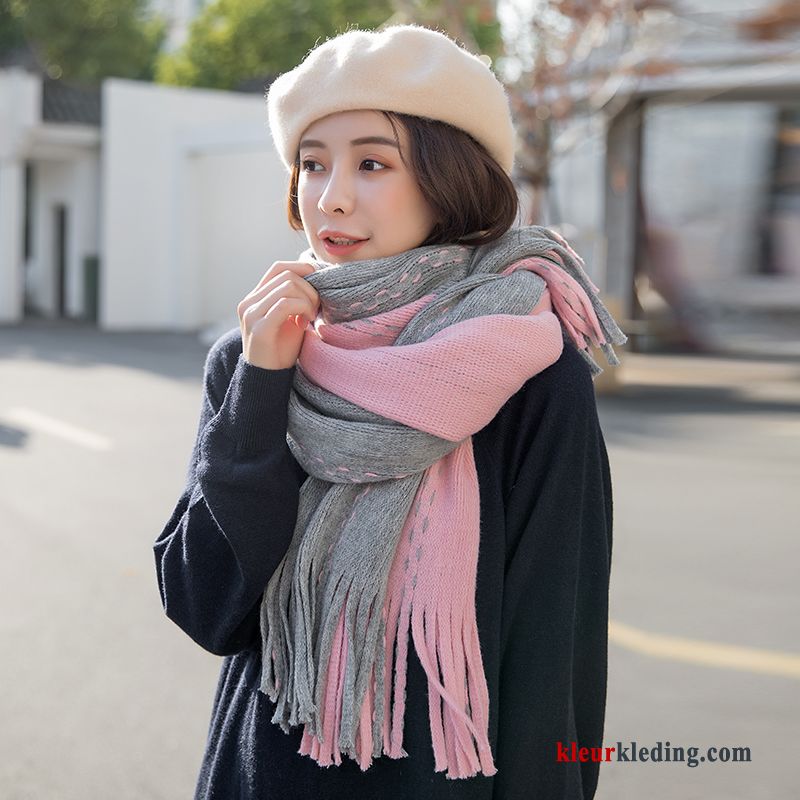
(337, 195)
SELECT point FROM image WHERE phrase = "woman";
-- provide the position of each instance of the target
(400, 442)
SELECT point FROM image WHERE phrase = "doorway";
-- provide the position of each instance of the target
(60, 258)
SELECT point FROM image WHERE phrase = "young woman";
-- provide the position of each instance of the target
(396, 525)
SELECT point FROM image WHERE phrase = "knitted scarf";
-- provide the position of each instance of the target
(409, 356)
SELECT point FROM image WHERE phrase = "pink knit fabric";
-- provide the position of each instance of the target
(450, 385)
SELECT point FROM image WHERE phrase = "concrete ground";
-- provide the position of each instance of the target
(105, 698)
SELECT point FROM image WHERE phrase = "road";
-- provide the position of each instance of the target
(107, 700)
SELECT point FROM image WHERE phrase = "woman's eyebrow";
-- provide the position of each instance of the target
(354, 142)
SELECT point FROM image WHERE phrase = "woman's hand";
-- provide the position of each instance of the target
(274, 316)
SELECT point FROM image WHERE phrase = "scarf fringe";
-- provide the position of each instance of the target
(579, 309)
(313, 696)
(341, 732)
(458, 698)
(364, 718)
(457, 695)
(605, 330)
(362, 704)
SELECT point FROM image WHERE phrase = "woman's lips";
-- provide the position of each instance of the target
(342, 249)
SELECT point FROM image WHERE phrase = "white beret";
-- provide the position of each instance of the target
(408, 69)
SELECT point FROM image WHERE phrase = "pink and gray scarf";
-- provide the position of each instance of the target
(409, 357)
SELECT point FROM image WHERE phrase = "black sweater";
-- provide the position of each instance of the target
(541, 596)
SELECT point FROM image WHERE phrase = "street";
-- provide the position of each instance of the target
(106, 699)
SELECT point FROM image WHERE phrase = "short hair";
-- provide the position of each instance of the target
(473, 200)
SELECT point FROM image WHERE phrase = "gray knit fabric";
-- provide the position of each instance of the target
(349, 522)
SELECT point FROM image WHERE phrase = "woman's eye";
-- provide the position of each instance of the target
(376, 165)
(308, 165)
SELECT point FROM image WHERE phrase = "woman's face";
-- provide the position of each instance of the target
(354, 186)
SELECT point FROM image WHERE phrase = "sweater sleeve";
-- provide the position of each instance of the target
(558, 559)
(236, 515)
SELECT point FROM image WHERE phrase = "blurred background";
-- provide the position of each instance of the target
(141, 200)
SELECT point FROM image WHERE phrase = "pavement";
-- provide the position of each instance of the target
(704, 644)
(107, 699)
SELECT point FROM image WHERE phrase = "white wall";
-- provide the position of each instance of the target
(74, 182)
(704, 172)
(193, 205)
(578, 190)
(226, 233)
(20, 100)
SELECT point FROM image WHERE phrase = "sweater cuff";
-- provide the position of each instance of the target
(254, 412)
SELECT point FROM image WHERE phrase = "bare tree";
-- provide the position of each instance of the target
(572, 48)
(559, 55)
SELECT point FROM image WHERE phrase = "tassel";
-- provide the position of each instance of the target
(350, 722)
(395, 748)
(581, 313)
(455, 728)
(322, 749)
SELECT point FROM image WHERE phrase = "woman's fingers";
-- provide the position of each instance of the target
(299, 268)
(282, 295)
(261, 307)
(274, 279)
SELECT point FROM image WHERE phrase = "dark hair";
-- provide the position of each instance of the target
(473, 200)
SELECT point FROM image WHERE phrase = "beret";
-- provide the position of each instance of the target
(408, 69)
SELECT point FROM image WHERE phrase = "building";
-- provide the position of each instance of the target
(136, 206)
(679, 179)
(144, 207)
